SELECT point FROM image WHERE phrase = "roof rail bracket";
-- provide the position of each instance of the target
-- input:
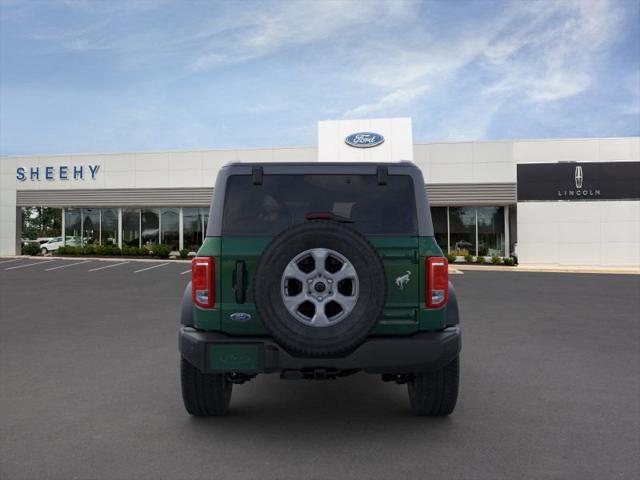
(256, 175)
(383, 175)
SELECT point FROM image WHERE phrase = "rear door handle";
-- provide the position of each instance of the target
(239, 285)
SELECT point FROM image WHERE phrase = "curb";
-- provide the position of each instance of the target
(99, 259)
(550, 269)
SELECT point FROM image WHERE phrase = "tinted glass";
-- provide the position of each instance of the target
(462, 224)
(490, 231)
(72, 226)
(284, 200)
(170, 231)
(150, 226)
(90, 226)
(131, 227)
(192, 228)
(109, 226)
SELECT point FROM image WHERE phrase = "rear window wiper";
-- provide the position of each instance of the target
(327, 216)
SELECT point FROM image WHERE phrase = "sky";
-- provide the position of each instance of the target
(88, 76)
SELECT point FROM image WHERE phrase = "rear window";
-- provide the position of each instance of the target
(284, 200)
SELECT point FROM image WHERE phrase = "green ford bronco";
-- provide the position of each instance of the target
(318, 271)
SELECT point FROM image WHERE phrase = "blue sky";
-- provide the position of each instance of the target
(92, 76)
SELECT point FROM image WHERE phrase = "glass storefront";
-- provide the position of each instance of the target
(72, 226)
(170, 227)
(194, 225)
(141, 227)
(471, 230)
(462, 230)
(150, 221)
(490, 231)
(90, 226)
(109, 226)
(131, 227)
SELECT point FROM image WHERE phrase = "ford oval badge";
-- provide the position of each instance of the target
(240, 317)
(364, 139)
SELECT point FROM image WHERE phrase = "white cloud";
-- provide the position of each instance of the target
(396, 99)
(538, 51)
(288, 25)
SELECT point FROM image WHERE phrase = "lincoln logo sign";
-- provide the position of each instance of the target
(569, 181)
(578, 177)
(364, 140)
(61, 172)
(579, 191)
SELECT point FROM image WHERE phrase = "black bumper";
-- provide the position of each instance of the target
(425, 351)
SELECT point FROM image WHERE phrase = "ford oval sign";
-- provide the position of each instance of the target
(364, 139)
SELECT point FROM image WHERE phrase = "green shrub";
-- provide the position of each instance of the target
(112, 250)
(468, 258)
(162, 251)
(31, 249)
(451, 257)
(89, 250)
(496, 259)
(61, 251)
(509, 261)
(184, 253)
(144, 251)
(481, 260)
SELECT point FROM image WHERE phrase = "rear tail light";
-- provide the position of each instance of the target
(437, 282)
(203, 281)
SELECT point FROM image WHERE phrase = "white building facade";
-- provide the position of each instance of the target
(566, 202)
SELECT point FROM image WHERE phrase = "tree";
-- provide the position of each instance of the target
(41, 222)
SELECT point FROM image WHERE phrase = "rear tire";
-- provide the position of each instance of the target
(204, 394)
(435, 394)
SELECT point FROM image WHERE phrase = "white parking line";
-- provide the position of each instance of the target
(9, 261)
(108, 266)
(185, 272)
(30, 264)
(65, 266)
(149, 268)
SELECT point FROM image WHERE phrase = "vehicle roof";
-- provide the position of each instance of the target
(403, 163)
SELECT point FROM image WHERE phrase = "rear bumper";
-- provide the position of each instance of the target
(421, 352)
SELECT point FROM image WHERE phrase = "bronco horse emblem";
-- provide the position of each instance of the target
(402, 280)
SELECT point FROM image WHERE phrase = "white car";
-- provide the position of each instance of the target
(57, 242)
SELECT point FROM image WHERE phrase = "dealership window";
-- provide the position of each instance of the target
(41, 222)
(72, 226)
(440, 230)
(150, 221)
(170, 227)
(131, 227)
(90, 226)
(462, 225)
(109, 226)
(490, 231)
(194, 225)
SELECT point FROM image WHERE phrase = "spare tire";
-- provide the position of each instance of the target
(319, 288)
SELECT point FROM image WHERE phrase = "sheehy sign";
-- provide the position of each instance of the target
(60, 172)
(576, 181)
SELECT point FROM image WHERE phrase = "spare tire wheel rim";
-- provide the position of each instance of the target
(320, 287)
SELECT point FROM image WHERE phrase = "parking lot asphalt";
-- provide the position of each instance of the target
(89, 387)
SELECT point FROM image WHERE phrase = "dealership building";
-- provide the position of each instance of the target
(565, 202)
